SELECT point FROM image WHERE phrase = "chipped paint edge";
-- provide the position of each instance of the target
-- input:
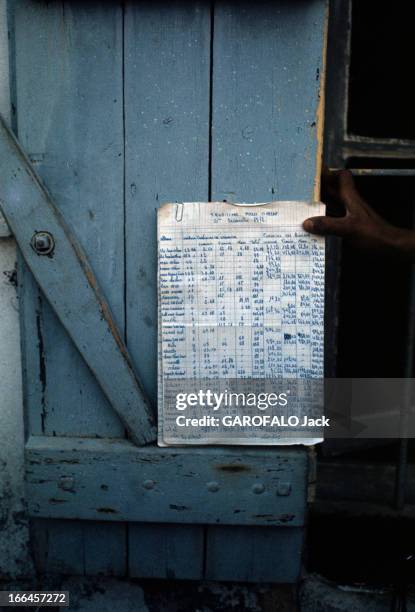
(320, 110)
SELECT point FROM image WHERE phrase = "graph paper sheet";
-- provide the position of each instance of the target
(241, 295)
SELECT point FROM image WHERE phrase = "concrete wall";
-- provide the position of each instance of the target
(14, 551)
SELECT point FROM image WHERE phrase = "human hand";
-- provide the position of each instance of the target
(360, 225)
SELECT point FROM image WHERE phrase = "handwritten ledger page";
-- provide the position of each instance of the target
(241, 296)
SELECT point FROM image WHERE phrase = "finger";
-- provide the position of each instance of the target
(330, 192)
(325, 226)
(348, 192)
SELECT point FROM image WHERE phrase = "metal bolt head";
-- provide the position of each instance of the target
(258, 488)
(212, 486)
(149, 484)
(43, 243)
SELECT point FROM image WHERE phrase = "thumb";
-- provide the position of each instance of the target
(323, 226)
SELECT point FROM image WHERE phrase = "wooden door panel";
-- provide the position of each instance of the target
(124, 107)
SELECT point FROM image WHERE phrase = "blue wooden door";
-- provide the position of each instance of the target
(121, 107)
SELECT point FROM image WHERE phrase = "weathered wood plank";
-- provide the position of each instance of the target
(267, 66)
(266, 124)
(68, 73)
(254, 554)
(105, 548)
(58, 547)
(167, 85)
(166, 551)
(69, 104)
(81, 307)
(167, 53)
(114, 480)
(79, 548)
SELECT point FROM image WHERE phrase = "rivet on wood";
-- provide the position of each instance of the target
(149, 484)
(213, 486)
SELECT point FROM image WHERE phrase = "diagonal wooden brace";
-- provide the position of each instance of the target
(62, 271)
